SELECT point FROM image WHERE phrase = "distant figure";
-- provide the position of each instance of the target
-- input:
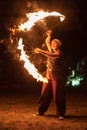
(56, 79)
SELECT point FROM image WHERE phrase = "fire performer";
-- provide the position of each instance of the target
(55, 74)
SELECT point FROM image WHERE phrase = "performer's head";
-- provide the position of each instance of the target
(56, 44)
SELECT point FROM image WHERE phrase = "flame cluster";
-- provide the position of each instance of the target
(32, 19)
(28, 65)
(36, 16)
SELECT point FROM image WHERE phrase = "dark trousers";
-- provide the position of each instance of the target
(54, 88)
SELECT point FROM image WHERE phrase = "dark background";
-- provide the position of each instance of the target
(72, 32)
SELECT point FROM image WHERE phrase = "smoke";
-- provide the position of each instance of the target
(33, 6)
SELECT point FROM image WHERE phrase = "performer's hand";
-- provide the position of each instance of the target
(37, 50)
(49, 32)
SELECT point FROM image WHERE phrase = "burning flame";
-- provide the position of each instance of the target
(30, 67)
(32, 19)
(36, 16)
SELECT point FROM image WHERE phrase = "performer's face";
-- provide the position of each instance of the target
(54, 45)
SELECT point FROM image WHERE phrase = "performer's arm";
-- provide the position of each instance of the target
(48, 54)
(48, 40)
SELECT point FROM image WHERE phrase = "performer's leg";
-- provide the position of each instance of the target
(59, 94)
(45, 98)
(60, 97)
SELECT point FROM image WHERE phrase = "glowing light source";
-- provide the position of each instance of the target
(75, 83)
(36, 16)
(74, 80)
(29, 67)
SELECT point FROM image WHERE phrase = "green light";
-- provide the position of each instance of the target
(75, 82)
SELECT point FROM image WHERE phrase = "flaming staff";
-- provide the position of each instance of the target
(32, 19)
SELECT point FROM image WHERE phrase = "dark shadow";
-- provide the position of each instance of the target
(80, 117)
(70, 117)
(51, 115)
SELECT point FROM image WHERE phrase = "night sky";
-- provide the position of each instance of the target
(72, 31)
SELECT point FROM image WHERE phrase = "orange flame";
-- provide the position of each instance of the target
(29, 67)
(32, 19)
(36, 16)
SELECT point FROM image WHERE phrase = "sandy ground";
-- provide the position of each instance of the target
(17, 109)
